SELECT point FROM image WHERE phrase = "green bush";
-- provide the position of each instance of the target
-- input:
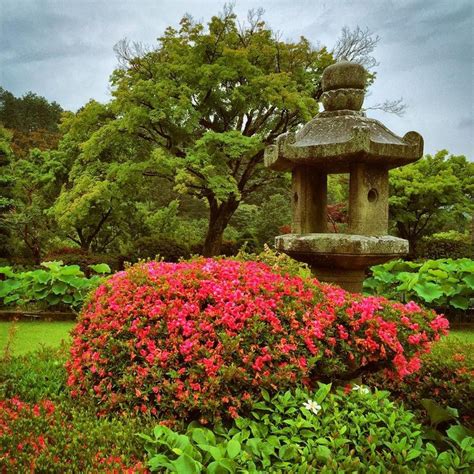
(58, 437)
(446, 245)
(34, 377)
(279, 262)
(301, 432)
(169, 250)
(55, 287)
(443, 283)
(78, 256)
(446, 377)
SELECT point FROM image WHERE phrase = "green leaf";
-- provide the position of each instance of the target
(101, 268)
(287, 452)
(53, 266)
(160, 460)
(436, 412)
(428, 291)
(186, 465)
(219, 467)
(7, 271)
(413, 454)
(469, 280)
(457, 433)
(11, 299)
(323, 453)
(42, 276)
(9, 286)
(74, 270)
(233, 448)
(68, 299)
(322, 392)
(59, 288)
(460, 302)
(203, 436)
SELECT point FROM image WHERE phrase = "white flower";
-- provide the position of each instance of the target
(313, 406)
(361, 389)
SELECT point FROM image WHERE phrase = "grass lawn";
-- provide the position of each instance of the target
(31, 335)
(465, 335)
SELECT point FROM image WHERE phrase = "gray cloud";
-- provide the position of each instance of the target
(63, 50)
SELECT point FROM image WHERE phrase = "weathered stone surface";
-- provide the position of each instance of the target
(368, 200)
(331, 141)
(342, 134)
(344, 75)
(343, 99)
(309, 200)
(344, 251)
(342, 140)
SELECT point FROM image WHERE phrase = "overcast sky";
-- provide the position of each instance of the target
(63, 50)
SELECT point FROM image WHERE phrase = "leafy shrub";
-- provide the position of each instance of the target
(56, 286)
(202, 338)
(50, 437)
(38, 375)
(441, 283)
(83, 258)
(230, 248)
(446, 377)
(279, 262)
(302, 432)
(169, 250)
(446, 245)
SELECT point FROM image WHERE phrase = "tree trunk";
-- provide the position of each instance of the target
(219, 217)
(405, 233)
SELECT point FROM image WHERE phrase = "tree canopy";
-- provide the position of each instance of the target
(209, 99)
(431, 195)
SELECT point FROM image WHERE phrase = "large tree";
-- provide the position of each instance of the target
(432, 195)
(98, 198)
(6, 191)
(209, 99)
(37, 182)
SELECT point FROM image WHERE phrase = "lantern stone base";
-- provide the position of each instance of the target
(341, 259)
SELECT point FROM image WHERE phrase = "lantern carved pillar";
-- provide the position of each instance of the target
(341, 139)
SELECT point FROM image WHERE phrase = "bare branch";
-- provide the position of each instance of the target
(126, 52)
(397, 107)
(356, 45)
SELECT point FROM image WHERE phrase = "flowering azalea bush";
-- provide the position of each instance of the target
(49, 437)
(200, 339)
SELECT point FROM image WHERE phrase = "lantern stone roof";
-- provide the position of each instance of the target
(342, 134)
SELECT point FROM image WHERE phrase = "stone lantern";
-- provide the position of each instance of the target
(342, 140)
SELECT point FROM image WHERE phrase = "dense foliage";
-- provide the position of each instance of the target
(446, 377)
(208, 99)
(443, 283)
(6, 194)
(432, 195)
(451, 244)
(55, 286)
(302, 431)
(201, 338)
(54, 437)
(32, 120)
